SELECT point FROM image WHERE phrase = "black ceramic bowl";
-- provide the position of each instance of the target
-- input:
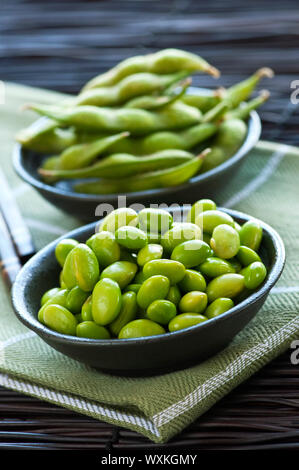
(142, 356)
(83, 206)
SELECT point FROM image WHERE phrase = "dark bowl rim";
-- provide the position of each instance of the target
(32, 323)
(252, 137)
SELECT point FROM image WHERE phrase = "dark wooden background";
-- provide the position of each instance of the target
(61, 44)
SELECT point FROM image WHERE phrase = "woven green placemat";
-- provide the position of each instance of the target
(158, 407)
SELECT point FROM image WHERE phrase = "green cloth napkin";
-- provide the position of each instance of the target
(158, 407)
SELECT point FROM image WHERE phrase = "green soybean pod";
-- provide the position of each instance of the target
(106, 301)
(174, 295)
(105, 247)
(247, 256)
(118, 218)
(127, 313)
(75, 299)
(89, 329)
(227, 285)
(140, 328)
(200, 206)
(59, 299)
(191, 253)
(161, 311)
(148, 253)
(60, 319)
(219, 306)
(254, 274)
(193, 281)
(131, 238)
(179, 233)
(63, 248)
(185, 320)
(48, 294)
(154, 288)
(214, 267)
(194, 301)
(86, 310)
(225, 241)
(122, 272)
(81, 268)
(155, 220)
(172, 269)
(251, 234)
(209, 219)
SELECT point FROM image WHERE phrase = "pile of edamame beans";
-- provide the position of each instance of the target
(143, 274)
(135, 128)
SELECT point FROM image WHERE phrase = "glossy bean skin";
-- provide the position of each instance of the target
(148, 253)
(210, 219)
(214, 267)
(219, 306)
(127, 313)
(194, 302)
(132, 288)
(155, 220)
(122, 272)
(227, 285)
(154, 288)
(106, 301)
(161, 311)
(185, 320)
(254, 274)
(200, 206)
(225, 241)
(179, 233)
(172, 269)
(251, 234)
(63, 248)
(48, 294)
(118, 218)
(131, 238)
(81, 268)
(140, 328)
(105, 247)
(193, 281)
(75, 299)
(174, 295)
(247, 256)
(86, 310)
(89, 329)
(60, 319)
(58, 299)
(191, 253)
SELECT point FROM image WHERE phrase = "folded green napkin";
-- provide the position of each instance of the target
(158, 407)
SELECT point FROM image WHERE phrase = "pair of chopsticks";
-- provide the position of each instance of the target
(16, 245)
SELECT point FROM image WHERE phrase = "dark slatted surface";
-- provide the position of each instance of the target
(60, 45)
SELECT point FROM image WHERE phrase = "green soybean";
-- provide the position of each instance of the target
(81, 268)
(191, 253)
(254, 274)
(172, 269)
(48, 294)
(227, 285)
(195, 302)
(118, 218)
(174, 295)
(225, 241)
(63, 248)
(148, 253)
(161, 311)
(58, 298)
(132, 238)
(198, 207)
(251, 234)
(60, 319)
(75, 299)
(154, 288)
(140, 328)
(127, 313)
(86, 310)
(219, 306)
(105, 247)
(122, 272)
(214, 267)
(193, 281)
(209, 219)
(89, 329)
(185, 320)
(179, 233)
(132, 288)
(106, 301)
(155, 220)
(247, 256)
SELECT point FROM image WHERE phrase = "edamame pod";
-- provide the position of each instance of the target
(191, 253)
(154, 288)
(219, 306)
(238, 93)
(127, 313)
(89, 329)
(185, 320)
(226, 285)
(140, 328)
(122, 272)
(172, 269)
(106, 301)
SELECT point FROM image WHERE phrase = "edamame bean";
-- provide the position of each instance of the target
(214, 267)
(60, 319)
(75, 299)
(81, 268)
(63, 248)
(126, 255)
(89, 329)
(118, 218)
(122, 272)
(132, 288)
(227, 285)
(219, 306)
(178, 234)
(131, 238)
(127, 313)
(193, 281)
(208, 220)
(200, 206)
(247, 256)
(155, 220)
(140, 328)
(161, 311)
(105, 247)
(86, 310)
(148, 253)
(174, 295)
(195, 302)
(185, 320)
(154, 288)
(58, 299)
(225, 241)
(172, 269)
(254, 274)
(139, 278)
(106, 301)
(48, 294)
(191, 253)
(251, 234)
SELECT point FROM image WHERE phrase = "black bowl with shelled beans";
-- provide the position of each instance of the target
(147, 355)
(83, 206)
